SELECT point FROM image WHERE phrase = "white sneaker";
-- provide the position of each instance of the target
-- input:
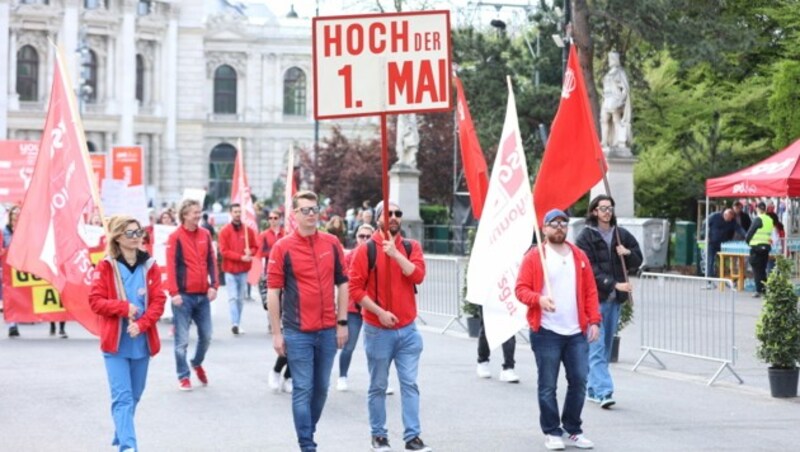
(579, 441)
(275, 381)
(389, 390)
(484, 371)
(509, 376)
(553, 442)
(287, 385)
(341, 384)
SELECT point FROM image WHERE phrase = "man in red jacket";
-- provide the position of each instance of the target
(237, 257)
(390, 334)
(564, 316)
(192, 284)
(304, 269)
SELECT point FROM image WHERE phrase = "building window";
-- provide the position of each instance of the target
(89, 75)
(294, 92)
(91, 146)
(220, 173)
(35, 2)
(94, 4)
(225, 90)
(28, 74)
(140, 79)
(144, 7)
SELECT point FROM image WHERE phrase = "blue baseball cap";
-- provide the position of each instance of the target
(553, 214)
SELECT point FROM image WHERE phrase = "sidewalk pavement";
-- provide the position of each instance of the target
(54, 396)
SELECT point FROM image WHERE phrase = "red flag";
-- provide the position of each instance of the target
(49, 241)
(289, 222)
(240, 194)
(475, 168)
(573, 160)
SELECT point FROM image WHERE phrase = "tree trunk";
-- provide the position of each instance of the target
(582, 37)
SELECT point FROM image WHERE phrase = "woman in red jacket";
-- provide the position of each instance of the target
(127, 295)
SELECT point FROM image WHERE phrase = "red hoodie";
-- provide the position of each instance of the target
(530, 282)
(364, 282)
(231, 245)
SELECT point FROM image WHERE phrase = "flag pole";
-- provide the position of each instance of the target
(240, 151)
(616, 227)
(385, 211)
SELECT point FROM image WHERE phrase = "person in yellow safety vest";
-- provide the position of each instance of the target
(759, 237)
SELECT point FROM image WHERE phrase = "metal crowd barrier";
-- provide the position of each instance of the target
(676, 316)
(441, 292)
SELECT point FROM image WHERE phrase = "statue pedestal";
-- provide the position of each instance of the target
(620, 181)
(404, 190)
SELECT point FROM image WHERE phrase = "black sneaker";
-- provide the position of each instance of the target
(235, 329)
(63, 334)
(417, 445)
(380, 444)
(13, 331)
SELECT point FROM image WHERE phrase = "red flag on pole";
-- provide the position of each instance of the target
(573, 160)
(50, 241)
(289, 222)
(475, 169)
(240, 194)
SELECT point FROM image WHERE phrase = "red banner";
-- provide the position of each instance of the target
(127, 163)
(98, 167)
(17, 159)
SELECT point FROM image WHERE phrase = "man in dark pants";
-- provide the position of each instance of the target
(742, 219)
(721, 228)
(759, 237)
(508, 374)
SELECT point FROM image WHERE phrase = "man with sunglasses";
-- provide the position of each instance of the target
(390, 333)
(607, 245)
(236, 262)
(563, 317)
(304, 269)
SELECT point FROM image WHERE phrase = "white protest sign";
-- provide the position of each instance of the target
(198, 194)
(381, 63)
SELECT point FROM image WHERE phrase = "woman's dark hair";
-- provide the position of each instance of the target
(590, 215)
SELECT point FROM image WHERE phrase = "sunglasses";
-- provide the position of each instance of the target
(313, 210)
(136, 233)
(396, 213)
(606, 209)
(558, 224)
(363, 236)
(274, 218)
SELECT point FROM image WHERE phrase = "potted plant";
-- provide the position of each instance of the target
(625, 318)
(778, 331)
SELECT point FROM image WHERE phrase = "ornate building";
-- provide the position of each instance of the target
(184, 79)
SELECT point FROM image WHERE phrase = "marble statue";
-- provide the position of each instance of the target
(615, 112)
(407, 143)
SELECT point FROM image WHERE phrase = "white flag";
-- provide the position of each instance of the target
(504, 235)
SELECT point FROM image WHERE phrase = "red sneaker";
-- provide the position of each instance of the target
(184, 384)
(201, 375)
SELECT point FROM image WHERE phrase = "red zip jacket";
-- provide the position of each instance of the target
(530, 282)
(190, 262)
(364, 282)
(105, 302)
(307, 269)
(352, 305)
(266, 241)
(231, 245)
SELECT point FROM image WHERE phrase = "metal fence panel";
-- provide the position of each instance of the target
(677, 316)
(441, 292)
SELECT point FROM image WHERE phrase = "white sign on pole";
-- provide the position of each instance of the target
(381, 63)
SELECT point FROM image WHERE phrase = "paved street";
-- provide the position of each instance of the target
(54, 396)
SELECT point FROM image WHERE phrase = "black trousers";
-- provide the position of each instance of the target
(759, 257)
(509, 347)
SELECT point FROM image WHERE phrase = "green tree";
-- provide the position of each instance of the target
(784, 104)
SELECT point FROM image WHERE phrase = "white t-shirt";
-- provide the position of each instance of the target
(561, 272)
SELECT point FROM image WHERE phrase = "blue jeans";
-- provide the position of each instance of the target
(550, 350)
(126, 378)
(236, 284)
(354, 322)
(311, 358)
(195, 308)
(600, 383)
(404, 347)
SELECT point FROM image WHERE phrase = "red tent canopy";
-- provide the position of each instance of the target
(778, 175)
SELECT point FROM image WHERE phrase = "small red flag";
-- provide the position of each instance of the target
(289, 222)
(240, 194)
(475, 169)
(49, 242)
(573, 160)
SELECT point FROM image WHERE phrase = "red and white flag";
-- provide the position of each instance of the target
(573, 160)
(240, 194)
(289, 222)
(503, 236)
(50, 239)
(475, 169)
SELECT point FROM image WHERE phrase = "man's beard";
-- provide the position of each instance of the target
(557, 238)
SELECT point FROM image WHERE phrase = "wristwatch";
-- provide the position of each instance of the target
(341, 322)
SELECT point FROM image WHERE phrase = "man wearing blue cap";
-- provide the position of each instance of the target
(559, 289)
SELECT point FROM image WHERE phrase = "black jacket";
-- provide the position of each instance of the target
(606, 266)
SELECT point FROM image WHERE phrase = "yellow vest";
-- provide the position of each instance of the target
(763, 236)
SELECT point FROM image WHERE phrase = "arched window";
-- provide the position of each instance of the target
(89, 75)
(220, 173)
(225, 90)
(28, 74)
(294, 92)
(140, 78)
(91, 146)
